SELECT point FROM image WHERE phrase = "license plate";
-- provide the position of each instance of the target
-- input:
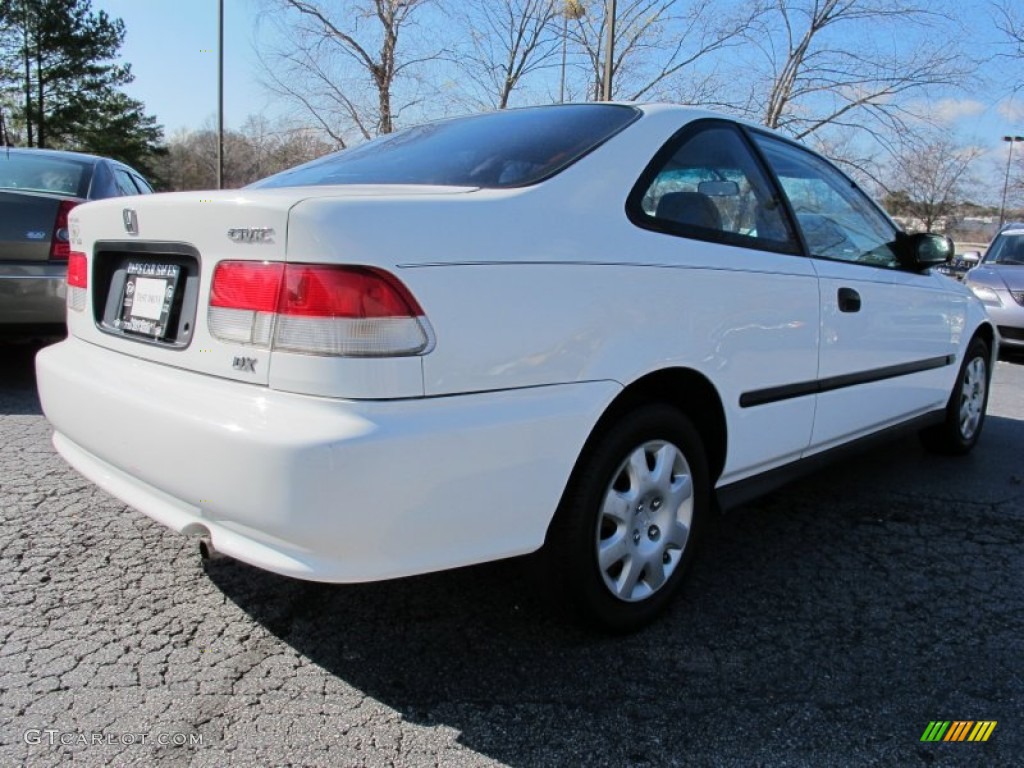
(148, 298)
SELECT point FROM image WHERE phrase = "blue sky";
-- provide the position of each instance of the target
(171, 45)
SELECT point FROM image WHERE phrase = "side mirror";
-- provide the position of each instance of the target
(928, 250)
(971, 257)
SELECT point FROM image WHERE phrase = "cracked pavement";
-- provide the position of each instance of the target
(825, 624)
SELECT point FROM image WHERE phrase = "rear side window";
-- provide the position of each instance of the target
(511, 148)
(706, 184)
(142, 184)
(44, 173)
(123, 181)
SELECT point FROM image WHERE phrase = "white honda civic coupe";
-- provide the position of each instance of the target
(577, 327)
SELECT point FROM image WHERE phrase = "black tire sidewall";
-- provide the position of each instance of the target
(946, 437)
(977, 349)
(574, 543)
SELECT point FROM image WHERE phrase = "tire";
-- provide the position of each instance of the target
(628, 523)
(965, 412)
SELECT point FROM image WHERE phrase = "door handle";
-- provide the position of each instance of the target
(849, 300)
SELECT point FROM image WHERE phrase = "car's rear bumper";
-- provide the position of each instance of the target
(32, 293)
(319, 488)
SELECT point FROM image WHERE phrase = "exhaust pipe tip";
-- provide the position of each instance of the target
(207, 551)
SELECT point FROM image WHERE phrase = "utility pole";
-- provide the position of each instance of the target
(609, 52)
(220, 97)
(1006, 182)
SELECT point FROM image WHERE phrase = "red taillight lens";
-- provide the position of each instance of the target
(78, 270)
(351, 292)
(60, 242)
(343, 311)
(251, 285)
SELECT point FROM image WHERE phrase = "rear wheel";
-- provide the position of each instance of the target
(965, 412)
(627, 526)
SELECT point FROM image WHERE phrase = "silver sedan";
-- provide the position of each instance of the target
(999, 282)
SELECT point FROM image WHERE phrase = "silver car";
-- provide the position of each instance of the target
(38, 188)
(998, 281)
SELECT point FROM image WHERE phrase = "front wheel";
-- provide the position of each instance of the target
(627, 526)
(965, 411)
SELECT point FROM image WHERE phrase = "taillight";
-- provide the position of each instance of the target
(352, 292)
(60, 243)
(78, 270)
(78, 280)
(246, 285)
(316, 309)
(243, 298)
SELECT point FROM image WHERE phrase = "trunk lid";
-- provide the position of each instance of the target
(26, 225)
(139, 246)
(172, 243)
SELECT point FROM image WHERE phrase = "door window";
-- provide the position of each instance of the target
(837, 220)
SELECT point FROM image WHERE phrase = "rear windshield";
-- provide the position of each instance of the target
(44, 173)
(511, 148)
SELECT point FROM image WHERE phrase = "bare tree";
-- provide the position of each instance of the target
(505, 42)
(838, 63)
(1015, 191)
(258, 149)
(343, 60)
(657, 43)
(1010, 21)
(929, 176)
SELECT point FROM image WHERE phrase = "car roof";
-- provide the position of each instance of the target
(689, 113)
(61, 153)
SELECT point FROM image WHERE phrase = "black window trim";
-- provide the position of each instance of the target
(636, 214)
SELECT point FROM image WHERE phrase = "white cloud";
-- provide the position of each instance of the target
(1012, 110)
(950, 110)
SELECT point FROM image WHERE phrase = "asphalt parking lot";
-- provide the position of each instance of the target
(826, 624)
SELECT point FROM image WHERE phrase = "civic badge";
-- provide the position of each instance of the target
(131, 221)
(251, 235)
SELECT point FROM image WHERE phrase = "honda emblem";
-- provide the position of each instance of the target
(131, 221)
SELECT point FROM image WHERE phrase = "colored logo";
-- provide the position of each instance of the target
(958, 730)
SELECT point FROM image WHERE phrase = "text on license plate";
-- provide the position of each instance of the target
(148, 298)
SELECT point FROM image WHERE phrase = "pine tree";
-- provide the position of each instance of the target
(58, 63)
